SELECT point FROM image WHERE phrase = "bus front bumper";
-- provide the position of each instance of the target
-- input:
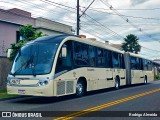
(33, 91)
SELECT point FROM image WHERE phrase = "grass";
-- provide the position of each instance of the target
(157, 77)
(3, 91)
(3, 94)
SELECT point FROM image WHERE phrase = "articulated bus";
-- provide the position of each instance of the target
(66, 64)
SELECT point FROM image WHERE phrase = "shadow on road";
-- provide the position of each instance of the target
(44, 100)
(48, 100)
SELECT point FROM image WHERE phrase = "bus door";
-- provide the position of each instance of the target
(101, 63)
(136, 71)
(141, 77)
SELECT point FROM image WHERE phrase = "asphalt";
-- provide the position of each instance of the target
(56, 106)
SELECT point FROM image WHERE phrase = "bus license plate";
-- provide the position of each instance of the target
(21, 91)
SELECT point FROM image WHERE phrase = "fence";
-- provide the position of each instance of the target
(5, 66)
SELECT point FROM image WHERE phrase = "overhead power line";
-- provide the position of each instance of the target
(34, 11)
(79, 16)
(123, 37)
(127, 20)
(124, 25)
(127, 8)
(86, 8)
(58, 4)
(102, 25)
(150, 49)
(64, 7)
(136, 17)
(109, 41)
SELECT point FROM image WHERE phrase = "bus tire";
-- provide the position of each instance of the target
(80, 88)
(145, 80)
(117, 83)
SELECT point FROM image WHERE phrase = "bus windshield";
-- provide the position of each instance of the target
(34, 59)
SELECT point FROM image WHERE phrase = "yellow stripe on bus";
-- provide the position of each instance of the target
(70, 116)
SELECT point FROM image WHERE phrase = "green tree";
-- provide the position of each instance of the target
(28, 33)
(131, 44)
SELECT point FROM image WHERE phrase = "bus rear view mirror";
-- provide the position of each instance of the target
(9, 52)
(64, 51)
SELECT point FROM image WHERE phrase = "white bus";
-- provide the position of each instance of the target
(64, 64)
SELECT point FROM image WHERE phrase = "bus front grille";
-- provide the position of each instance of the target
(61, 88)
(69, 87)
(65, 87)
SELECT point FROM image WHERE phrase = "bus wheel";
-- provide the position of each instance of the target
(80, 89)
(145, 80)
(117, 83)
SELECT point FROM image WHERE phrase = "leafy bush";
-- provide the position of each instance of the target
(157, 77)
(28, 33)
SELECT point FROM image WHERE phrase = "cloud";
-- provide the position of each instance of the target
(137, 2)
(118, 24)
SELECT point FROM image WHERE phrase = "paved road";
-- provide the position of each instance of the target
(106, 103)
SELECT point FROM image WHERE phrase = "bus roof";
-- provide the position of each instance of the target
(102, 45)
(58, 38)
(139, 56)
(94, 43)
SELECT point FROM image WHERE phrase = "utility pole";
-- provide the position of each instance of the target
(78, 18)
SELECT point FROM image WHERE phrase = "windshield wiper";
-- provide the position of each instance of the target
(24, 65)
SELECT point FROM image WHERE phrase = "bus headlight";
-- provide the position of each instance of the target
(43, 83)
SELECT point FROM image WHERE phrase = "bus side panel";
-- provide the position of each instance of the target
(65, 84)
(137, 76)
(150, 75)
(101, 77)
(96, 78)
(109, 77)
(122, 75)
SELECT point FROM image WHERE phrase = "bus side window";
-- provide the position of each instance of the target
(121, 60)
(137, 63)
(149, 64)
(133, 63)
(92, 55)
(85, 55)
(116, 62)
(145, 67)
(100, 57)
(108, 58)
(141, 64)
(81, 57)
(65, 63)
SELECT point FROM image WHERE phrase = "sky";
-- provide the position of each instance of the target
(105, 20)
